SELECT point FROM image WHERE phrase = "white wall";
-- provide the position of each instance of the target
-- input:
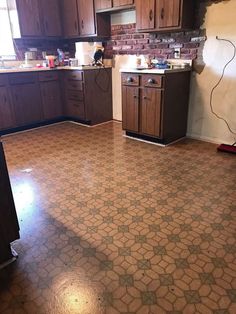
(220, 20)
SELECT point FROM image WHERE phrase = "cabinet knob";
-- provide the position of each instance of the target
(150, 15)
(151, 81)
(136, 97)
(162, 13)
(130, 80)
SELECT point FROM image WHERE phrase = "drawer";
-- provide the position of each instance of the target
(48, 76)
(75, 85)
(22, 78)
(149, 80)
(75, 95)
(3, 79)
(75, 109)
(74, 75)
(130, 79)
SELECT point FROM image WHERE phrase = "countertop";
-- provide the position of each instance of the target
(155, 71)
(35, 69)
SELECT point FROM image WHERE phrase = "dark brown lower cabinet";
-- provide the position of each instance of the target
(88, 95)
(9, 227)
(150, 111)
(6, 114)
(26, 104)
(155, 107)
(130, 108)
(50, 89)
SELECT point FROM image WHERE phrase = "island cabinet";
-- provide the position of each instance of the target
(26, 98)
(9, 227)
(88, 95)
(164, 15)
(155, 107)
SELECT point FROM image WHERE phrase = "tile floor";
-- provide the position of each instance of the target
(111, 225)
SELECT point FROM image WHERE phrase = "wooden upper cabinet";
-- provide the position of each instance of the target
(29, 17)
(103, 4)
(120, 3)
(145, 14)
(86, 17)
(168, 13)
(70, 18)
(164, 15)
(50, 16)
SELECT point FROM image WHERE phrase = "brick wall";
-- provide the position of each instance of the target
(125, 40)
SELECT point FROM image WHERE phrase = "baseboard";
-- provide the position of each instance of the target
(207, 139)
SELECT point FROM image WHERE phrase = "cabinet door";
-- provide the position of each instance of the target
(103, 4)
(70, 18)
(130, 108)
(168, 13)
(26, 103)
(50, 13)
(120, 3)
(150, 112)
(6, 114)
(51, 99)
(86, 17)
(145, 14)
(29, 17)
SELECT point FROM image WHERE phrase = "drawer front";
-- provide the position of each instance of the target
(130, 79)
(74, 85)
(75, 109)
(22, 78)
(75, 95)
(48, 76)
(3, 79)
(149, 80)
(74, 75)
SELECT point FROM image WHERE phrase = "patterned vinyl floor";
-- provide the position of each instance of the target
(110, 225)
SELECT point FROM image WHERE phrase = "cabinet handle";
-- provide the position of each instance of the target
(76, 27)
(162, 13)
(82, 24)
(151, 81)
(151, 15)
(38, 26)
(46, 25)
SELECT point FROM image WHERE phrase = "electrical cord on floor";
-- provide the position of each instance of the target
(218, 83)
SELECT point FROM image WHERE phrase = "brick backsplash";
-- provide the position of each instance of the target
(50, 46)
(125, 40)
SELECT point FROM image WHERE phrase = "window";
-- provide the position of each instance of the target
(7, 50)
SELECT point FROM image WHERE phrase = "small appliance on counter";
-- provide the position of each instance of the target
(88, 53)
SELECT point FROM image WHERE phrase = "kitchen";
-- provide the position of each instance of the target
(112, 220)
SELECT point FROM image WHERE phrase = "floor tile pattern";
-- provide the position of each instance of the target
(110, 225)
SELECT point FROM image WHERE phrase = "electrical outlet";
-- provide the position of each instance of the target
(177, 53)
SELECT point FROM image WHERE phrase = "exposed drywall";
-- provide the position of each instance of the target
(219, 19)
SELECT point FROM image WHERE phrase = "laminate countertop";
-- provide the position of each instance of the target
(155, 71)
(35, 69)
